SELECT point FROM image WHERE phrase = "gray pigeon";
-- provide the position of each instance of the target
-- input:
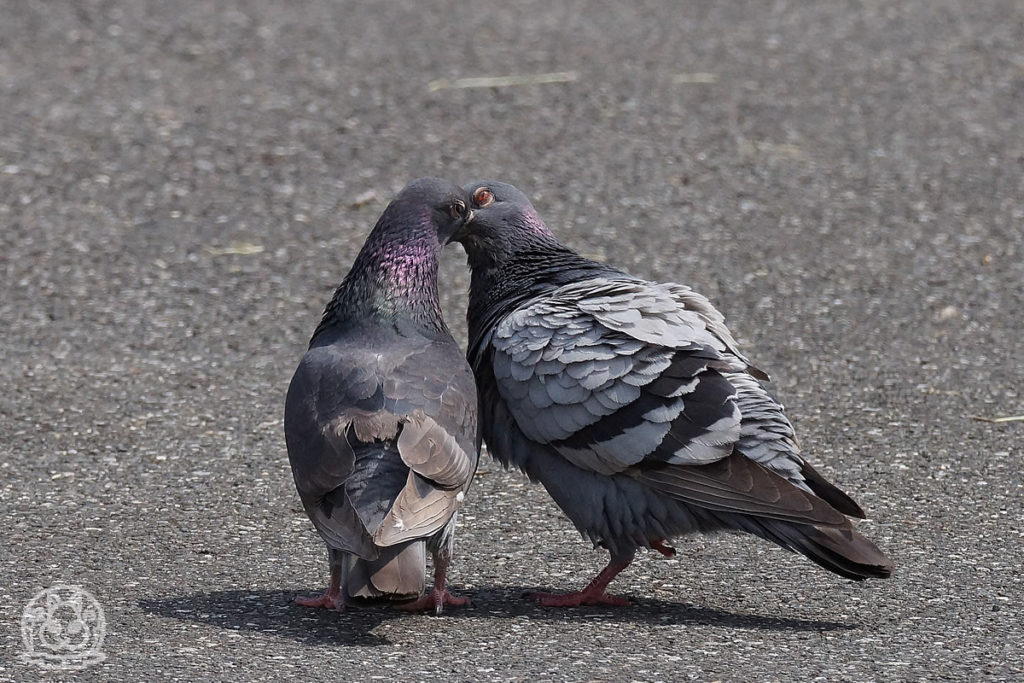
(380, 418)
(631, 403)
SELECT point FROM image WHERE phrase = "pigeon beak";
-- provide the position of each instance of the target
(461, 230)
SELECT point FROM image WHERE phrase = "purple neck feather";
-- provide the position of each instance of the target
(393, 280)
(533, 222)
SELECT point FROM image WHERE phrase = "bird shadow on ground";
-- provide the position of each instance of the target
(275, 613)
(512, 601)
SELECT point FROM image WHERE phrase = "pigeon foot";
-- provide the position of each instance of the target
(329, 600)
(593, 594)
(435, 600)
(663, 548)
(333, 598)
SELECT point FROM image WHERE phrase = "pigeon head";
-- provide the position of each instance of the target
(439, 206)
(499, 209)
(502, 224)
(394, 277)
(509, 245)
(403, 248)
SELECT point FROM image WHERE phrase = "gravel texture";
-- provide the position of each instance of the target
(183, 184)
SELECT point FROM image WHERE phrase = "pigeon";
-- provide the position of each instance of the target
(631, 403)
(381, 415)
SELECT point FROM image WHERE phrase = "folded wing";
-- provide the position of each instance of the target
(626, 376)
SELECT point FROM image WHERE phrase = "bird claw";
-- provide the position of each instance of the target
(662, 547)
(436, 600)
(330, 600)
(578, 599)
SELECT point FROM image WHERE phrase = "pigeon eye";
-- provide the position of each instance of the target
(483, 197)
(458, 209)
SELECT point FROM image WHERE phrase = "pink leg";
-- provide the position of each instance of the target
(332, 599)
(660, 545)
(593, 594)
(439, 596)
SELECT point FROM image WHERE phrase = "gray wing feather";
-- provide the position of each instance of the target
(715, 322)
(766, 434)
(372, 469)
(572, 362)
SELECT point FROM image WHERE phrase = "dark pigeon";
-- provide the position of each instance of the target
(631, 403)
(381, 414)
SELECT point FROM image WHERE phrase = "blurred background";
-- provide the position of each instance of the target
(182, 185)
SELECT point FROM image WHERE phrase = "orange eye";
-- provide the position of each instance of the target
(483, 197)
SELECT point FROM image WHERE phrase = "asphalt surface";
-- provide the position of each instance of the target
(182, 185)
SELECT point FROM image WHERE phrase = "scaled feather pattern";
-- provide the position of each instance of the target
(631, 402)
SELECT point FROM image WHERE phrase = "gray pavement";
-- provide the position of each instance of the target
(183, 184)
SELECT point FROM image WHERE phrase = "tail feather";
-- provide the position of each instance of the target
(398, 573)
(830, 493)
(838, 549)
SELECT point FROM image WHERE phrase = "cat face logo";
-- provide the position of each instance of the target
(63, 628)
